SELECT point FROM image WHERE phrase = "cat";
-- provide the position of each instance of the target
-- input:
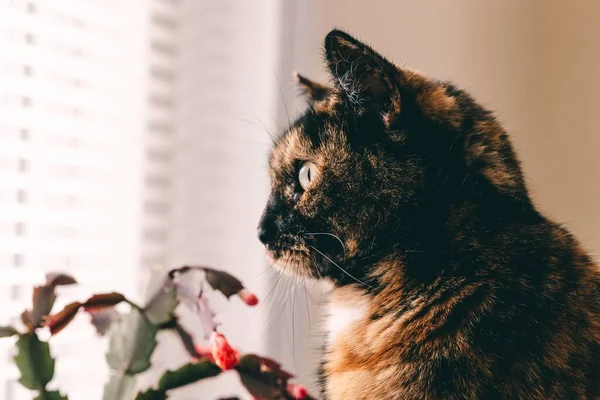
(406, 196)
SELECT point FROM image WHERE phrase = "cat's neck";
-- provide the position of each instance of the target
(446, 249)
(346, 306)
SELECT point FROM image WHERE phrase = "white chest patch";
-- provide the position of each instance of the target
(341, 317)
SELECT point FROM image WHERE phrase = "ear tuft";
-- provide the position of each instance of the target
(312, 90)
(366, 77)
(337, 41)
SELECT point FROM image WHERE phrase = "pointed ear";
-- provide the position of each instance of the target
(367, 78)
(313, 91)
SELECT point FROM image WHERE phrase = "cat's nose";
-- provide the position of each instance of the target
(263, 236)
(266, 235)
(267, 231)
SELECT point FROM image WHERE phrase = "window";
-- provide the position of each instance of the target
(156, 207)
(15, 292)
(19, 229)
(164, 21)
(161, 101)
(160, 127)
(162, 74)
(9, 384)
(157, 181)
(18, 260)
(166, 49)
(158, 155)
(23, 165)
(155, 234)
(29, 38)
(21, 196)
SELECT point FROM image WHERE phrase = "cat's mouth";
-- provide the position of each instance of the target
(305, 255)
(292, 257)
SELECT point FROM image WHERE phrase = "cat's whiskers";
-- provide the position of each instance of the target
(341, 269)
(281, 272)
(329, 234)
(272, 321)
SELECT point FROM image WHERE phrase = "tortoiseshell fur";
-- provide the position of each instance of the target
(457, 286)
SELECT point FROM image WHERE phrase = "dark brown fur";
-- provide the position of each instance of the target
(461, 289)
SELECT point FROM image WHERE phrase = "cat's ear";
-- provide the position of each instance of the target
(366, 77)
(311, 90)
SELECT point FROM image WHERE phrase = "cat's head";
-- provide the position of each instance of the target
(374, 164)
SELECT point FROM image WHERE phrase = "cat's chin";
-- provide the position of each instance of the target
(293, 262)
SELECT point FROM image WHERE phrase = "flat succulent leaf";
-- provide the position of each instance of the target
(189, 284)
(54, 395)
(43, 300)
(140, 361)
(34, 362)
(103, 319)
(186, 339)
(7, 331)
(59, 321)
(161, 307)
(120, 386)
(259, 388)
(263, 377)
(27, 319)
(207, 317)
(103, 300)
(132, 341)
(151, 394)
(187, 374)
(268, 365)
(223, 282)
(55, 279)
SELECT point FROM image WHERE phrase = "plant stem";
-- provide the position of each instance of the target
(140, 310)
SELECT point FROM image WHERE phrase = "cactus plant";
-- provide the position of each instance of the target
(132, 338)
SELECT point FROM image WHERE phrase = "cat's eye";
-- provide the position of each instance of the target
(307, 174)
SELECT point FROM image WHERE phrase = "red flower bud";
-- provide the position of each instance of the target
(297, 391)
(224, 355)
(204, 352)
(248, 297)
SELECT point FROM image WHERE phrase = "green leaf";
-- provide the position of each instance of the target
(120, 386)
(258, 387)
(262, 376)
(186, 339)
(187, 374)
(151, 394)
(54, 395)
(161, 306)
(34, 362)
(7, 331)
(132, 342)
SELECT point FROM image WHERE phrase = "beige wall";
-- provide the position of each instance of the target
(536, 63)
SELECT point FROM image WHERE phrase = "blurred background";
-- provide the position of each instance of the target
(134, 135)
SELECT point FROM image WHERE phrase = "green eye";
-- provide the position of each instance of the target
(307, 174)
